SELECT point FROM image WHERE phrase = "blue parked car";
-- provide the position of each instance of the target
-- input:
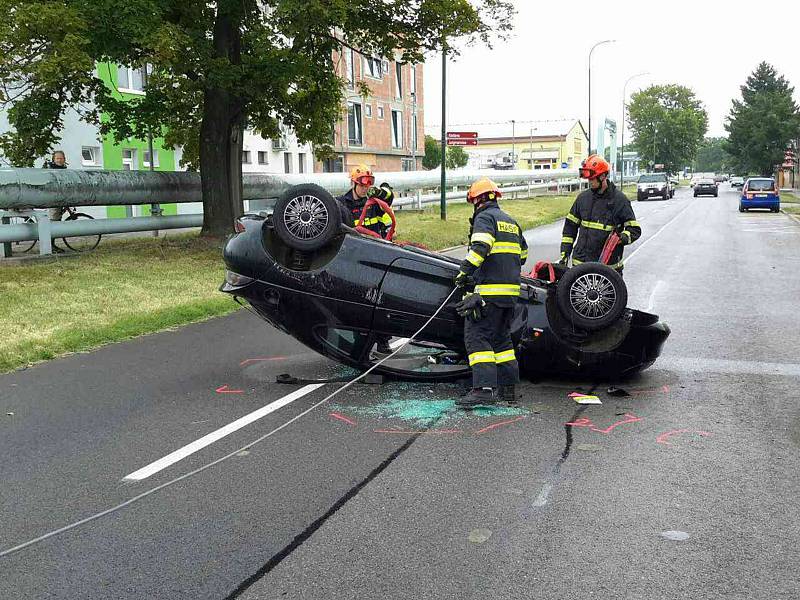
(760, 192)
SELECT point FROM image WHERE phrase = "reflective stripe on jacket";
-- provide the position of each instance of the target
(496, 252)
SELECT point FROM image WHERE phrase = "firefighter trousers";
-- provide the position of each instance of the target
(489, 348)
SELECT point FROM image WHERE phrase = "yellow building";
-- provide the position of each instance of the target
(535, 145)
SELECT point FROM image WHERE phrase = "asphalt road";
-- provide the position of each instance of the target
(686, 488)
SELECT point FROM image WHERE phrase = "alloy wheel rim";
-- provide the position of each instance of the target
(306, 217)
(592, 296)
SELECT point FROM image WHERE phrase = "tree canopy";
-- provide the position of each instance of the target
(711, 156)
(763, 123)
(456, 156)
(216, 68)
(668, 123)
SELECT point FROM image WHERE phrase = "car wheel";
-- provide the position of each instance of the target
(695, 194)
(591, 296)
(716, 195)
(306, 217)
(741, 208)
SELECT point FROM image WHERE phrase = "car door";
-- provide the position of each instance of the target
(411, 292)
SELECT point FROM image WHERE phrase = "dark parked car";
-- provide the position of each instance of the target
(706, 187)
(652, 185)
(337, 291)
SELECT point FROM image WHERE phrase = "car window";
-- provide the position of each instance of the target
(760, 185)
(706, 181)
(656, 177)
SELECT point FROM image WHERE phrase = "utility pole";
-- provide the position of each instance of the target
(590, 89)
(443, 199)
(513, 139)
(655, 133)
(155, 209)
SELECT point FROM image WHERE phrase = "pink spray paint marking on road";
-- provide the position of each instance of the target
(341, 417)
(421, 431)
(224, 389)
(496, 425)
(662, 439)
(584, 422)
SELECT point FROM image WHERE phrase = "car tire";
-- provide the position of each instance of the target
(695, 194)
(741, 208)
(306, 217)
(591, 296)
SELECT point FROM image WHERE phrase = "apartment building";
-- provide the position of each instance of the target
(385, 129)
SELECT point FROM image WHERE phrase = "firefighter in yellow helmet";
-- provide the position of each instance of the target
(497, 251)
(352, 205)
(363, 188)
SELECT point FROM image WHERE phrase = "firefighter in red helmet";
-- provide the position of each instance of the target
(595, 213)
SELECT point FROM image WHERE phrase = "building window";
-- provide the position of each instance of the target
(129, 79)
(146, 159)
(90, 156)
(368, 111)
(414, 134)
(380, 111)
(398, 80)
(577, 147)
(397, 129)
(263, 157)
(333, 165)
(301, 162)
(287, 162)
(354, 125)
(128, 159)
(246, 157)
(349, 59)
(373, 67)
(407, 164)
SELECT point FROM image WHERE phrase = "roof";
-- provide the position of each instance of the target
(557, 128)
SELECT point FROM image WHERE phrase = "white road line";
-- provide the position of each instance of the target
(653, 296)
(656, 234)
(212, 437)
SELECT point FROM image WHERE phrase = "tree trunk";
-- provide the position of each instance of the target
(222, 133)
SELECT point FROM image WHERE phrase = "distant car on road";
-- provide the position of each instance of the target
(760, 192)
(654, 185)
(706, 187)
(737, 182)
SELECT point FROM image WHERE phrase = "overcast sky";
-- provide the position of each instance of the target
(540, 73)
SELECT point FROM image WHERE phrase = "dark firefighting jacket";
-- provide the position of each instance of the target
(497, 250)
(375, 220)
(591, 220)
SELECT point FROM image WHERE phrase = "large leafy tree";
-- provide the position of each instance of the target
(218, 66)
(763, 123)
(711, 156)
(668, 123)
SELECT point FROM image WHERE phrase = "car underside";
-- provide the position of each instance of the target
(346, 291)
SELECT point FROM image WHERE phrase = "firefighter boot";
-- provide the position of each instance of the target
(508, 394)
(477, 396)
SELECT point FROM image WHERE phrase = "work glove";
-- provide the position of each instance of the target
(563, 260)
(462, 280)
(382, 193)
(472, 307)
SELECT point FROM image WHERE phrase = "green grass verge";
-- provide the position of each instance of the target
(427, 227)
(131, 287)
(789, 197)
(123, 289)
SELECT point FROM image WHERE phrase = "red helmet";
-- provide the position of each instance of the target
(594, 166)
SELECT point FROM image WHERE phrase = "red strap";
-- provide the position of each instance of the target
(541, 265)
(608, 249)
(385, 208)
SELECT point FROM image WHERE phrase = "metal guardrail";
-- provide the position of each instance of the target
(22, 191)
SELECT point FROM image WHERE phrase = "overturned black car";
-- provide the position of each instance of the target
(338, 291)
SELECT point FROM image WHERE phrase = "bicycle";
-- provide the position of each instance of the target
(76, 243)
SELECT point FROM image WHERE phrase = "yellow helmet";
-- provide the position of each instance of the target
(482, 187)
(362, 175)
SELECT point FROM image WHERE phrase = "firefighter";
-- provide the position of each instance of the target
(352, 204)
(595, 213)
(497, 250)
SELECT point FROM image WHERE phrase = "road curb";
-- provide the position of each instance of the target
(791, 216)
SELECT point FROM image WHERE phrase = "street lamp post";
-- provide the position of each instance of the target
(513, 139)
(622, 151)
(590, 88)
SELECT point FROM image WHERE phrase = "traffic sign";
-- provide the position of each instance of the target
(564, 165)
(462, 142)
(462, 135)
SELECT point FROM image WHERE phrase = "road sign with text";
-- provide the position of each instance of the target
(462, 138)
